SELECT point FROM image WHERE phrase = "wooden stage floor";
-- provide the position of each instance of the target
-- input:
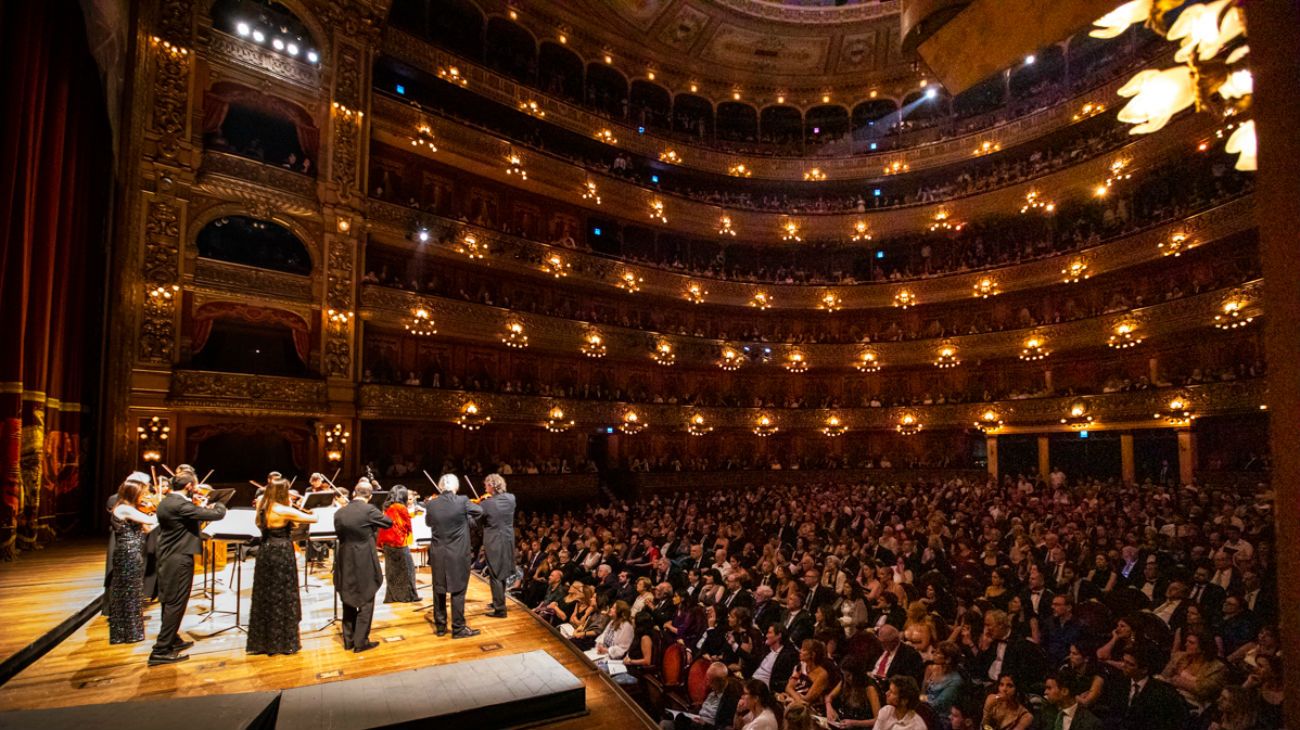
(86, 669)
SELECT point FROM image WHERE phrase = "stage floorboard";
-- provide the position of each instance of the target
(86, 669)
(66, 577)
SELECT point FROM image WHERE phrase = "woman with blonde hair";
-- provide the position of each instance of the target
(919, 629)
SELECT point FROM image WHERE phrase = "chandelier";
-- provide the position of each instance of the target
(593, 345)
(989, 421)
(1125, 336)
(533, 108)
(724, 226)
(471, 418)
(764, 426)
(1034, 201)
(942, 221)
(833, 426)
(1076, 270)
(909, 424)
(630, 282)
(987, 147)
(421, 323)
(868, 361)
(739, 170)
(336, 440)
(790, 231)
(670, 156)
(860, 231)
(830, 301)
(663, 353)
(795, 362)
(589, 192)
(1230, 314)
(760, 300)
(696, 426)
(556, 266)
(814, 175)
(731, 359)
(946, 356)
(1213, 77)
(555, 422)
(154, 435)
(984, 288)
(695, 293)
(631, 424)
(1089, 109)
(657, 211)
(904, 299)
(424, 138)
(606, 135)
(1035, 348)
(1179, 411)
(1175, 246)
(896, 167)
(514, 336)
(452, 75)
(470, 247)
(515, 166)
(1077, 417)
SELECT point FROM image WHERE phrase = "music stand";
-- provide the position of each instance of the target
(322, 530)
(239, 526)
(378, 498)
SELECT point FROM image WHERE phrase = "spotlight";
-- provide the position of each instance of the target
(312, 56)
(1030, 59)
(292, 48)
(242, 29)
(277, 44)
(423, 235)
(258, 36)
(931, 93)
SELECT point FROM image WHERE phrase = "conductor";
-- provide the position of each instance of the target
(356, 567)
(498, 540)
(449, 516)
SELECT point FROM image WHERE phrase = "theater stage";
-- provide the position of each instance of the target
(40, 589)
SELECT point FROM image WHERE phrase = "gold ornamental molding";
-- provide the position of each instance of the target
(221, 47)
(499, 88)
(242, 394)
(257, 183)
(473, 322)
(223, 279)
(1132, 410)
(393, 224)
(484, 153)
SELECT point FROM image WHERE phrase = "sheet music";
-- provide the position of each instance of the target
(420, 530)
(238, 524)
(324, 524)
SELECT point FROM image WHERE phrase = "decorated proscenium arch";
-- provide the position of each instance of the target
(265, 244)
(205, 315)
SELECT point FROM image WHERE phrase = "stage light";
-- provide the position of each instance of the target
(277, 44)
(292, 48)
(931, 93)
(423, 235)
(242, 29)
(258, 36)
(401, 89)
(312, 56)
(1030, 59)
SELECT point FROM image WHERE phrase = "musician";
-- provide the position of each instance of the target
(318, 483)
(449, 516)
(143, 480)
(179, 515)
(498, 540)
(356, 566)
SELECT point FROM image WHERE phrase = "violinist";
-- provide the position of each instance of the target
(124, 572)
(395, 541)
(318, 483)
(178, 542)
(276, 610)
(498, 540)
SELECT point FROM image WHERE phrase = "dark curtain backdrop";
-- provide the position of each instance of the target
(55, 181)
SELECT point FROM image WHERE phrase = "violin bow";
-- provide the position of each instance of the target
(471, 487)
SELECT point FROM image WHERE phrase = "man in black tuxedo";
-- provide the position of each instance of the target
(449, 516)
(896, 657)
(736, 595)
(797, 623)
(1038, 598)
(1062, 705)
(1000, 654)
(498, 540)
(1150, 703)
(357, 575)
(766, 609)
(178, 542)
(773, 663)
(1206, 594)
(664, 572)
(817, 594)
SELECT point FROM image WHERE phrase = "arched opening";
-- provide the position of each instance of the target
(248, 123)
(984, 97)
(867, 118)
(559, 71)
(782, 125)
(606, 89)
(236, 338)
(649, 104)
(693, 115)
(268, 24)
(1034, 79)
(924, 105)
(242, 240)
(827, 123)
(737, 122)
(511, 50)
(237, 452)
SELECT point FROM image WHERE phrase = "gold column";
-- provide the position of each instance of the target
(991, 448)
(1044, 457)
(1127, 469)
(1186, 456)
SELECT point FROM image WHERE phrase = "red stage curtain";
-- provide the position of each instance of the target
(217, 101)
(206, 314)
(55, 179)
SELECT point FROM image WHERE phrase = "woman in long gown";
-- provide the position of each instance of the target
(276, 610)
(399, 568)
(126, 589)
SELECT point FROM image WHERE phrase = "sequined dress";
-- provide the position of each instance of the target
(126, 591)
(275, 612)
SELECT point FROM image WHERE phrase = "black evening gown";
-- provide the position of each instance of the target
(399, 576)
(275, 613)
(126, 590)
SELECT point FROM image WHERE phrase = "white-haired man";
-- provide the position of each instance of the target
(449, 516)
